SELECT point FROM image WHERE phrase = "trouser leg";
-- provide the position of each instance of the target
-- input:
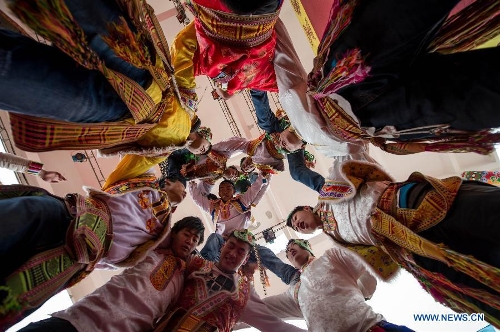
(211, 250)
(471, 227)
(301, 173)
(270, 261)
(266, 119)
(52, 324)
(94, 17)
(41, 80)
(390, 35)
(461, 89)
(30, 225)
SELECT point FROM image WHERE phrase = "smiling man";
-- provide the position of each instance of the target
(332, 292)
(50, 243)
(230, 212)
(217, 295)
(137, 298)
(423, 224)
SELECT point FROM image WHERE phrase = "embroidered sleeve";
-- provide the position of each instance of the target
(255, 193)
(19, 164)
(199, 192)
(258, 315)
(183, 51)
(34, 168)
(284, 305)
(335, 190)
(131, 166)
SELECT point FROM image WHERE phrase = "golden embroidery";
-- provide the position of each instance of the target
(144, 201)
(163, 273)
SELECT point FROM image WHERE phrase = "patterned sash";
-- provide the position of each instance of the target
(39, 134)
(396, 229)
(231, 29)
(43, 275)
(270, 141)
(125, 186)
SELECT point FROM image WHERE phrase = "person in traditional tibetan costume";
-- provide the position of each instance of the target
(209, 167)
(443, 232)
(209, 171)
(23, 165)
(231, 44)
(279, 123)
(49, 243)
(230, 212)
(393, 74)
(217, 295)
(266, 152)
(135, 299)
(331, 293)
(137, 162)
(106, 83)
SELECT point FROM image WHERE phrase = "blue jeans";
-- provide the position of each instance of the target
(266, 119)
(303, 174)
(268, 122)
(286, 272)
(43, 81)
(50, 324)
(389, 327)
(30, 225)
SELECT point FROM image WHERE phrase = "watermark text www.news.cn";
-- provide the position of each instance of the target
(462, 317)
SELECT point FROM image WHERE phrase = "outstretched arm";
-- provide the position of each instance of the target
(283, 305)
(258, 315)
(199, 191)
(303, 174)
(23, 165)
(266, 119)
(256, 191)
